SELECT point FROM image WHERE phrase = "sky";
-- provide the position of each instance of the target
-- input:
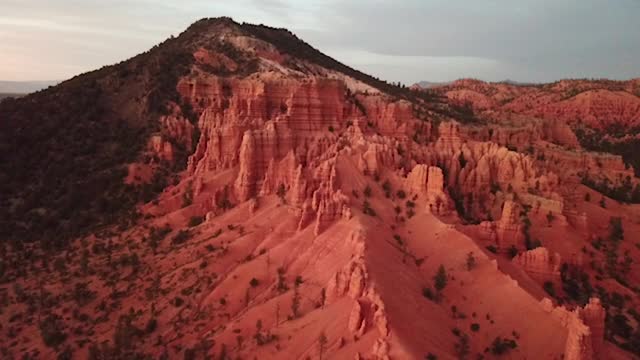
(396, 40)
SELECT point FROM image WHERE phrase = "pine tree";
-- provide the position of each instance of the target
(440, 279)
(471, 261)
(322, 342)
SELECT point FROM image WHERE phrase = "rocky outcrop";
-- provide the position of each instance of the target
(579, 343)
(585, 327)
(509, 228)
(161, 148)
(476, 171)
(350, 281)
(508, 231)
(568, 163)
(178, 129)
(449, 135)
(368, 310)
(357, 321)
(329, 206)
(388, 119)
(270, 108)
(559, 132)
(416, 181)
(540, 264)
(593, 315)
(429, 181)
(377, 155)
(437, 201)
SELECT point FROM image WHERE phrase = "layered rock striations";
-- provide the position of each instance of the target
(585, 329)
(429, 180)
(540, 264)
(509, 229)
(318, 208)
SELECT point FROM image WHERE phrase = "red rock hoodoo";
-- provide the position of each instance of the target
(294, 208)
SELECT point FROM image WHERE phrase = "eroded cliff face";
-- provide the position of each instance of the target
(268, 135)
(311, 141)
(585, 326)
(540, 264)
(272, 134)
(315, 210)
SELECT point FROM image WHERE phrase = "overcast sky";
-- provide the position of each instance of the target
(397, 40)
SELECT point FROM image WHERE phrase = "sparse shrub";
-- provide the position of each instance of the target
(616, 232)
(295, 303)
(367, 191)
(125, 335)
(178, 301)
(440, 279)
(501, 346)
(181, 237)
(254, 282)
(462, 347)
(575, 283)
(401, 194)
(151, 326)
(281, 284)
(52, 331)
(475, 327)
(471, 261)
(367, 209)
(428, 293)
(386, 186)
(322, 343)
(548, 287)
(156, 235)
(82, 294)
(550, 217)
(210, 248)
(195, 221)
